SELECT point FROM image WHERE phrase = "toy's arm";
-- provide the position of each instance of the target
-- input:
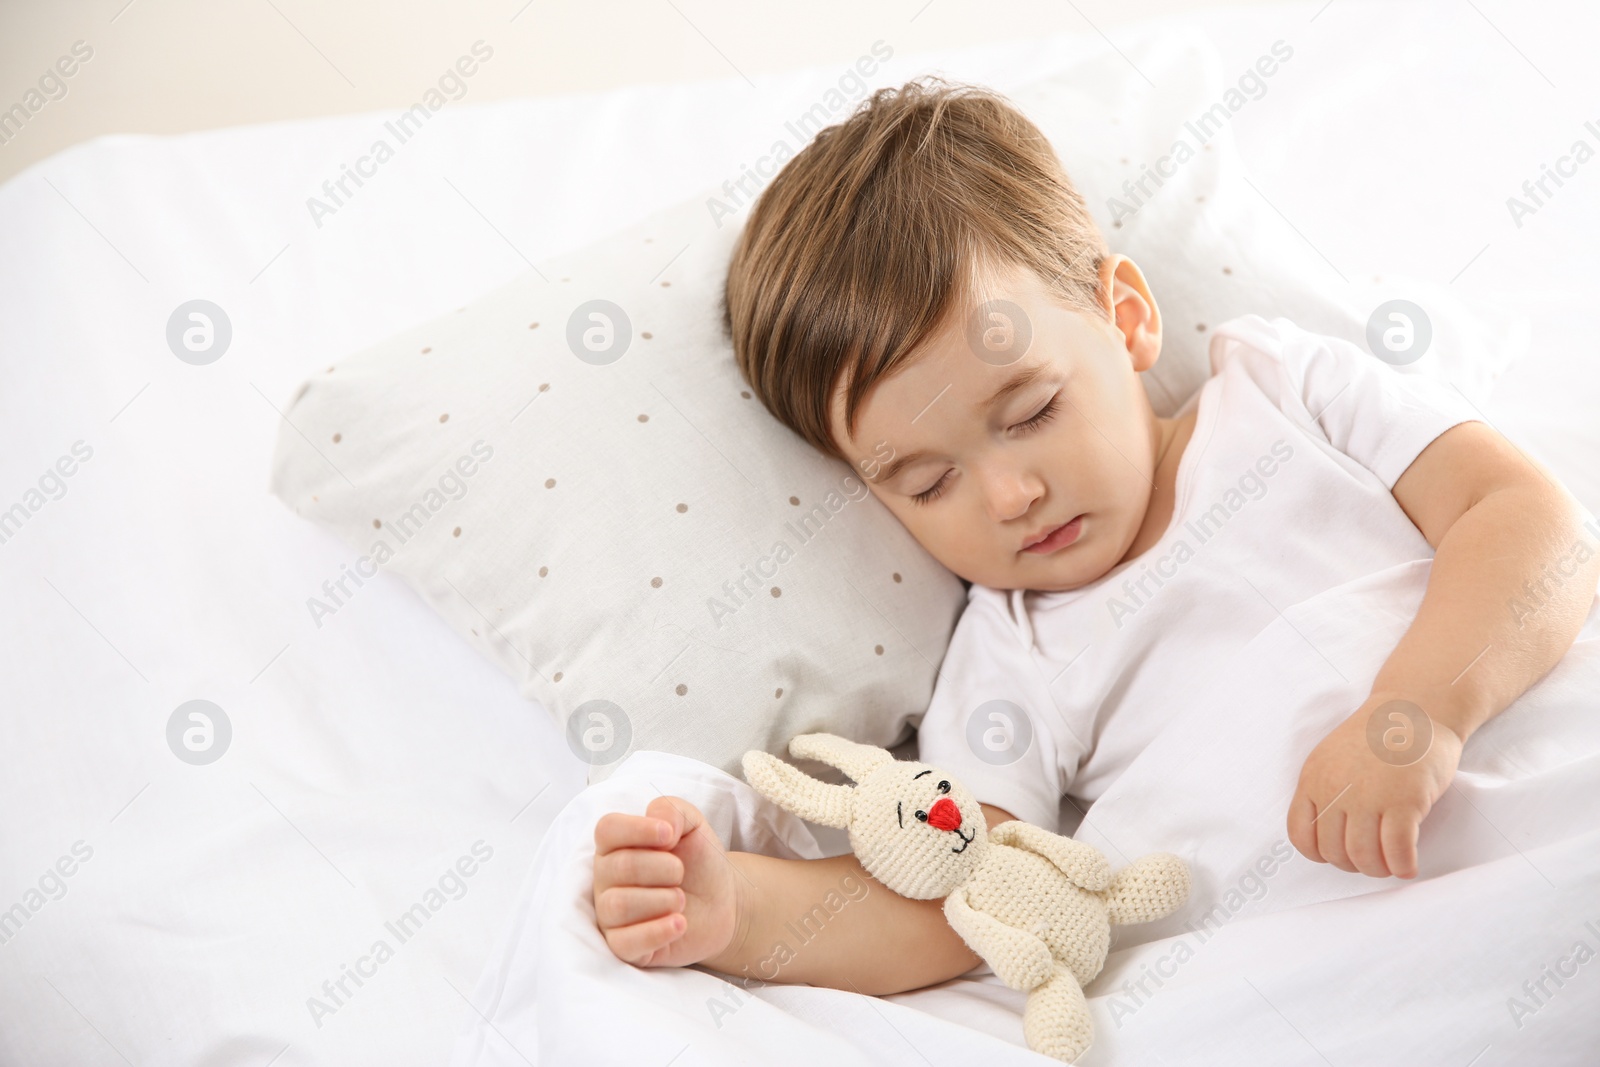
(1020, 960)
(1082, 864)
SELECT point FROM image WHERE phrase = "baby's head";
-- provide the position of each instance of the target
(921, 293)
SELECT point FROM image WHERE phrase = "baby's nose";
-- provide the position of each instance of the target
(944, 815)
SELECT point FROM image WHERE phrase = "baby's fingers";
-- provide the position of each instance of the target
(1331, 837)
(641, 943)
(624, 905)
(1399, 836)
(616, 830)
(1362, 844)
(1302, 826)
(682, 818)
(636, 867)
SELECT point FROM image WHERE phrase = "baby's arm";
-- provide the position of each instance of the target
(680, 899)
(1513, 578)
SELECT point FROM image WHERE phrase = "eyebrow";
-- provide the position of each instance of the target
(1019, 381)
(914, 777)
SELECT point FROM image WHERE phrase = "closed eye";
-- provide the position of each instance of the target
(932, 493)
(1044, 415)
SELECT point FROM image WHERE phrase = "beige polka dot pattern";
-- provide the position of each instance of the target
(490, 353)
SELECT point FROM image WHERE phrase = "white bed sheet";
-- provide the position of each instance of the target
(371, 753)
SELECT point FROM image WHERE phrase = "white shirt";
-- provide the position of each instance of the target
(1283, 492)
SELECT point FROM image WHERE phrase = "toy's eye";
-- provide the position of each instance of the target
(944, 787)
(923, 816)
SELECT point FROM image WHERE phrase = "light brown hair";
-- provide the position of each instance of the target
(884, 226)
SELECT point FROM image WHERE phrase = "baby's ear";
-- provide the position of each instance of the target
(794, 790)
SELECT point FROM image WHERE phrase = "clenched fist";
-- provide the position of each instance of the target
(1367, 786)
(666, 893)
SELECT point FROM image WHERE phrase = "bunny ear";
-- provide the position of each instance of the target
(854, 759)
(794, 790)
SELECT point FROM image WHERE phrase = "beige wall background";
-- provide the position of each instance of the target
(172, 66)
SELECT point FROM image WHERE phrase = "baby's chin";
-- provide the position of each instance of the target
(1055, 584)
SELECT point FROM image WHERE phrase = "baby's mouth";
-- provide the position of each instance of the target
(1059, 538)
(965, 841)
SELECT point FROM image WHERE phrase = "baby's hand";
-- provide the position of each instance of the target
(665, 892)
(1359, 802)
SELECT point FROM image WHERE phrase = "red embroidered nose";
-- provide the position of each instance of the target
(944, 815)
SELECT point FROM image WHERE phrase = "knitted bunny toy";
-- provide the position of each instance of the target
(1036, 906)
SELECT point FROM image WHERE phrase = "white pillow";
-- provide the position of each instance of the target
(651, 555)
(588, 524)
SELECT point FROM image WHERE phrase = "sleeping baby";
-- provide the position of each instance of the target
(921, 293)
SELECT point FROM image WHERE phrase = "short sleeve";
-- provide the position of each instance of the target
(1376, 414)
(992, 723)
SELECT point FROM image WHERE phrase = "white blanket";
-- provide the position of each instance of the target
(1276, 959)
